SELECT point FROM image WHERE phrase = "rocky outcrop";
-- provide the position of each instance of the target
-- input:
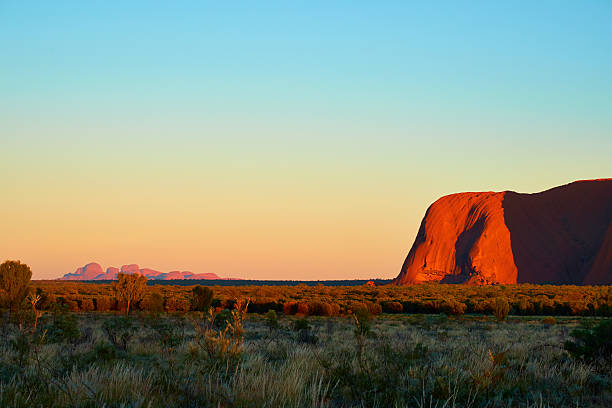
(111, 273)
(88, 272)
(561, 236)
(188, 275)
(130, 269)
(93, 271)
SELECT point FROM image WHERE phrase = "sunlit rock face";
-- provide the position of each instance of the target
(561, 236)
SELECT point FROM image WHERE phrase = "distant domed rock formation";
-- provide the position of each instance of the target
(559, 236)
(87, 272)
(93, 271)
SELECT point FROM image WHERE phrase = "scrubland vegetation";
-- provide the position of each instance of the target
(306, 347)
(525, 299)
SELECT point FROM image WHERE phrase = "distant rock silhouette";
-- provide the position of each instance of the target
(87, 272)
(93, 271)
(560, 236)
(130, 269)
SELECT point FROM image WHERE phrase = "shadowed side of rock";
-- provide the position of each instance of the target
(562, 235)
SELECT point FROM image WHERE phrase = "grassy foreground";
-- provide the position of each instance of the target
(93, 360)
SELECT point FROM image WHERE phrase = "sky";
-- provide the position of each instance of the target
(284, 140)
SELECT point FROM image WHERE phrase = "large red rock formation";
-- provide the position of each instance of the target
(562, 236)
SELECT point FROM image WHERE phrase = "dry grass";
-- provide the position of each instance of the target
(407, 361)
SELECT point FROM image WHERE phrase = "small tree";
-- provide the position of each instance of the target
(201, 298)
(501, 309)
(14, 281)
(129, 289)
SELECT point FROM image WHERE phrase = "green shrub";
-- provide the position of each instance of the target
(119, 331)
(301, 324)
(592, 344)
(304, 332)
(63, 325)
(272, 320)
(222, 319)
(169, 332)
(22, 346)
(100, 352)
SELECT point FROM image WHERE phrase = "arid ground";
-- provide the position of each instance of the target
(228, 358)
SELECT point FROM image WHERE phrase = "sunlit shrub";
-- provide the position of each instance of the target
(502, 308)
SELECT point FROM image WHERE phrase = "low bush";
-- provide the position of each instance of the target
(119, 331)
(501, 309)
(63, 325)
(272, 321)
(153, 303)
(592, 344)
(304, 332)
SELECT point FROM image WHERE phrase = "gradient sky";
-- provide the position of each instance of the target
(284, 140)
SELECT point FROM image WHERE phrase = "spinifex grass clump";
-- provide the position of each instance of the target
(226, 345)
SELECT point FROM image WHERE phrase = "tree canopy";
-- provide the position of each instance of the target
(130, 288)
(14, 282)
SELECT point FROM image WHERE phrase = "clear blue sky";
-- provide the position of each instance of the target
(273, 124)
